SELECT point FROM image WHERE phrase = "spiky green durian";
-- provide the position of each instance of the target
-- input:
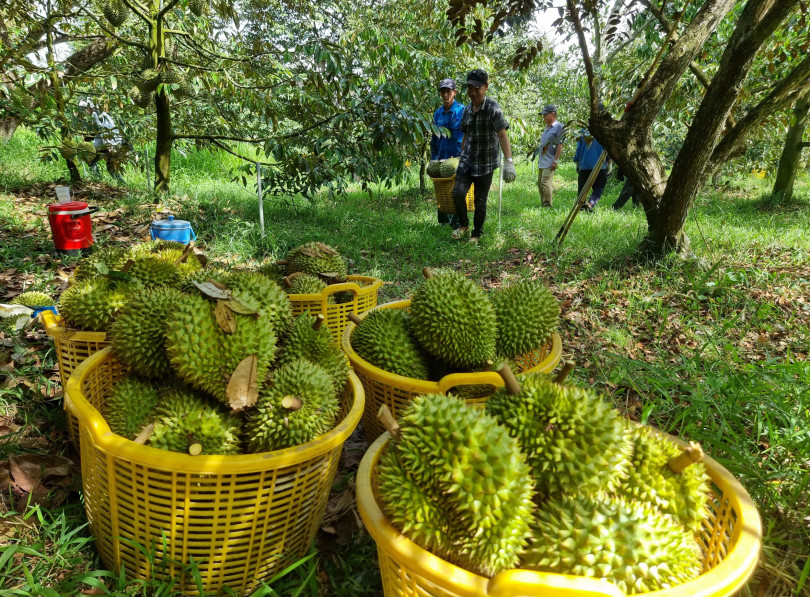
(150, 79)
(86, 151)
(253, 287)
(447, 168)
(197, 7)
(434, 169)
(93, 304)
(151, 271)
(527, 315)
(171, 252)
(274, 271)
(297, 406)
(131, 405)
(573, 440)
(682, 495)
(315, 258)
(454, 320)
(140, 98)
(138, 332)
(68, 149)
(33, 299)
(306, 284)
(185, 417)
(111, 258)
(457, 484)
(629, 544)
(303, 341)
(205, 355)
(115, 12)
(383, 338)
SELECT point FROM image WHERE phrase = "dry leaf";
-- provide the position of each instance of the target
(242, 391)
(225, 318)
(213, 290)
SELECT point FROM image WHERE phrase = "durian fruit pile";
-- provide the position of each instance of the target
(442, 168)
(13, 320)
(217, 364)
(454, 325)
(609, 499)
(309, 269)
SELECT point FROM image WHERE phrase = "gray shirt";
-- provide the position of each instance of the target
(552, 137)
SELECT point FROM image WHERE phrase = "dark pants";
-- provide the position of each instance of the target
(451, 219)
(625, 194)
(598, 184)
(481, 192)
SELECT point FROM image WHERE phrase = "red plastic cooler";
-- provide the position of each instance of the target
(71, 226)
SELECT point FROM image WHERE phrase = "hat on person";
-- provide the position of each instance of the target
(447, 84)
(477, 78)
(548, 108)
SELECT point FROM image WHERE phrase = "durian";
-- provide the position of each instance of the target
(197, 7)
(383, 338)
(256, 289)
(315, 258)
(116, 12)
(151, 271)
(107, 258)
(309, 339)
(93, 304)
(33, 298)
(455, 483)
(527, 315)
(131, 405)
(306, 284)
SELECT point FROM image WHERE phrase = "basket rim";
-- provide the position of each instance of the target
(448, 381)
(55, 328)
(331, 289)
(104, 439)
(725, 578)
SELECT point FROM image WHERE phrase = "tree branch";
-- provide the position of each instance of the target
(240, 156)
(126, 42)
(170, 5)
(586, 58)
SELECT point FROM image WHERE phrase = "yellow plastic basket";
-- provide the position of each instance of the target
(731, 538)
(397, 392)
(240, 518)
(443, 188)
(364, 290)
(72, 347)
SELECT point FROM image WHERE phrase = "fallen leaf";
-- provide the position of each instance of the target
(225, 317)
(242, 391)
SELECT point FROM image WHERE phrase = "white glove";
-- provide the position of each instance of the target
(509, 173)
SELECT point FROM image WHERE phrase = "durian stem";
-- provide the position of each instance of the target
(127, 265)
(427, 272)
(354, 318)
(282, 262)
(186, 252)
(331, 278)
(508, 376)
(194, 446)
(144, 434)
(690, 455)
(389, 422)
(488, 365)
(318, 323)
(568, 366)
(289, 279)
(291, 403)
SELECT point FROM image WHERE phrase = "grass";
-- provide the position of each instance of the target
(716, 354)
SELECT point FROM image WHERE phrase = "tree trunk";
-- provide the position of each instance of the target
(422, 170)
(163, 148)
(789, 162)
(75, 175)
(8, 126)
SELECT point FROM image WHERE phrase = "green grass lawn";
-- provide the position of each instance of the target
(713, 350)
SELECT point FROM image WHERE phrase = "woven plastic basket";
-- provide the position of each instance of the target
(443, 187)
(364, 291)
(240, 518)
(72, 347)
(397, 392)
(731, 538)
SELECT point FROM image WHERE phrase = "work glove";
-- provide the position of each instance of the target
(509, 173)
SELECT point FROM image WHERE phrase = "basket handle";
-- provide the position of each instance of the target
(469, 379)
(532, 583)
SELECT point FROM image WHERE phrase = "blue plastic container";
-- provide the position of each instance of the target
(171, 229)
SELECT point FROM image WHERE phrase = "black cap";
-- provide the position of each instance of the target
(548, 108)
(447, 84)
(477, 78)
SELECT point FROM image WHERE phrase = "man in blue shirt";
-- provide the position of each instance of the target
(484, 127)
(549, 149)
(441, 148)
(586, 155)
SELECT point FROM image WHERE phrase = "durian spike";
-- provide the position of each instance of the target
(388, 421)
(291, 403)
(427, 272)
(318, 323)
(354, 318)
(194, 447)
(144, 434)
(568, 366)
(512, 384)
(690, 455)
(289, 279)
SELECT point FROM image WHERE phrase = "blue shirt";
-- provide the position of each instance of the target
(480, 155)
(552, 137)
(587, 154)
(442, 147)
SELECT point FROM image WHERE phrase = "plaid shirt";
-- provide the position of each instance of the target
(480, 154)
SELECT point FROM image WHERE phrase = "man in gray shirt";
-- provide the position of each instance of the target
(549, 151)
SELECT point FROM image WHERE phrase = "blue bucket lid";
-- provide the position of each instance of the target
(171, 224)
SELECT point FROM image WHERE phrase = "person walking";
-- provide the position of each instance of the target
(484, 127)
(626, 193)
(550, 148)
(586, 155)
(447, 116)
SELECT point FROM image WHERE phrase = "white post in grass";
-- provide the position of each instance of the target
(146, 163)
(500, 194)
(261, 199)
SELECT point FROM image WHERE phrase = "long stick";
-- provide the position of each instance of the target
(563, 232)
(261, 198)
(500, 196)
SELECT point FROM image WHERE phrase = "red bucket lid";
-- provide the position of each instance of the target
(69, 206)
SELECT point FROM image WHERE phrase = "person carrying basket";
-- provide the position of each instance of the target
(442, 147)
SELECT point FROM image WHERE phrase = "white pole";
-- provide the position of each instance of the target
(500, 194)
(261, 199)
(146, 163)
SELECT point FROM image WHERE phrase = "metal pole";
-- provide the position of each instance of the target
(261, 199)
(563, 232)
(146, 162)
(500, 194)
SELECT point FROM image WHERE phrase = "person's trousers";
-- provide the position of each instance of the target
(480, 194)
(545, 178)
(598, 184)
(451, 219)
(625, 194)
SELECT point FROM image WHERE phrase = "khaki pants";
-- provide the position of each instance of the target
(545, 178)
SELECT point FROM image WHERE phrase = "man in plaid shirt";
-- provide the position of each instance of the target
(484, 128)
